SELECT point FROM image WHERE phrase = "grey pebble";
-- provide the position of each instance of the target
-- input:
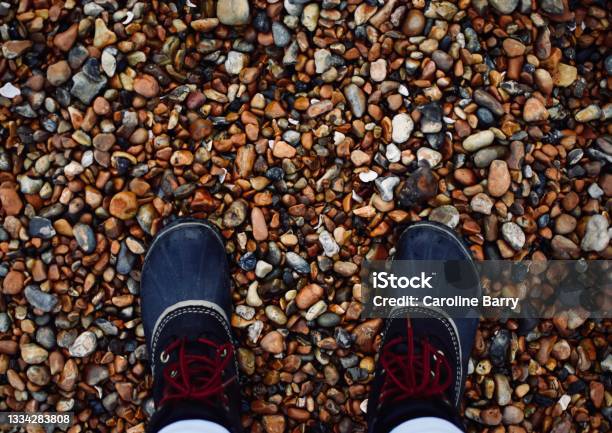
(45, 337)
(107, 327)
(125, 260)
(5, 322)
(27, 185)
(86, 87)
(37, 298)
(328, 320)
(41, 228)
(281, 35)
(484, 157)
(356, 99)
(297, 263)
(95, 374)
(85, 237)
(110, 401)
(84, 345)
(386, 185)
(485, 99)
(554, 7)
(65, 338)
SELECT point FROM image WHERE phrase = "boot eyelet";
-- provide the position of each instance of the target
(164, 357)
(223, 353)
(173, 373)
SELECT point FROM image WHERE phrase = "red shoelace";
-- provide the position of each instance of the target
(196, 377)
(412, 375)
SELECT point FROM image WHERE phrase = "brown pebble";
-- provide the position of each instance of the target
(13, 283)
(272, 342)
(565, 224)
(274, 423)
(491, 416)
(596, 393)
(65, 40)
(414, 23)
(258, 222)
(308, 295)
(498, 180)
(283, 150)
(513, 48)
(101, 106)
(146, 85)
(10, 200)
(200, 129)
(124, 205)
(534, 111)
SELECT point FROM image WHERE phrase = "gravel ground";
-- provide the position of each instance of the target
(309, 133)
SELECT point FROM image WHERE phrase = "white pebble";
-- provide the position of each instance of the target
(9, 91)
(368, 176)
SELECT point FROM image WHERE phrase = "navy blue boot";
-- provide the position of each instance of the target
(422, 364)
(186, 306)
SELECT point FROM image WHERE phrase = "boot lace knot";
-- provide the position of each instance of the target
(410, 374)
(195, 377)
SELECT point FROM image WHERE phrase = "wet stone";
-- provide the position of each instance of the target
(263, 268)
(10, 200)
(58, 73)
(146, 85)
(346, 269)
(96, 374)
(247, 262)
(28, 185)
(588, 114)
(534, 111)
(378, 70)
(328, 320)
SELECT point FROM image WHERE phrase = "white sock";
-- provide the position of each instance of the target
(194, 426)
(427, 425)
